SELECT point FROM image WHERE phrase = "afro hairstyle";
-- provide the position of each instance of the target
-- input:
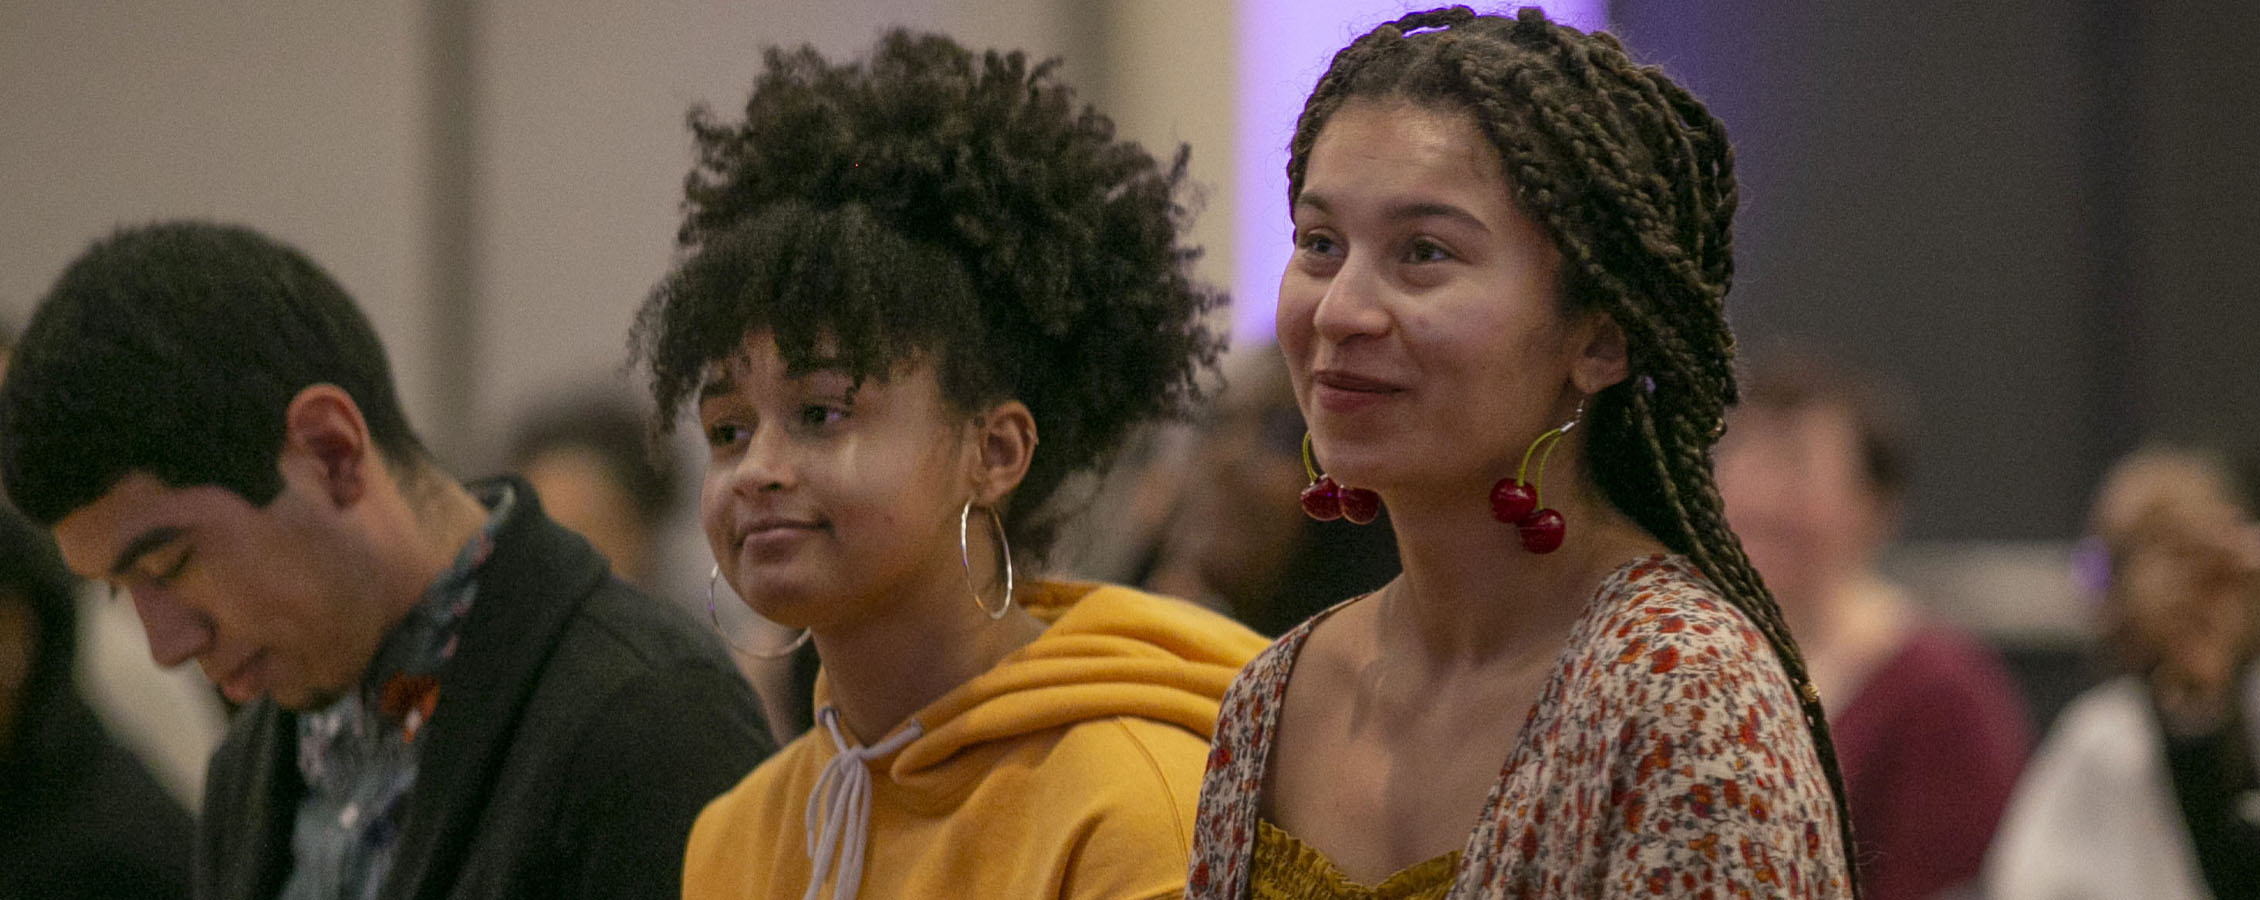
(931, 204)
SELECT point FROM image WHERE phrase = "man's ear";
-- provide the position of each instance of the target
(1602, 357)
(1006, 444)
(326, 440)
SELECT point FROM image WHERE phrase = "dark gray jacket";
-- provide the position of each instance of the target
(581, 727)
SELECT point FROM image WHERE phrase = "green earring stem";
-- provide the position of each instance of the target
(1517, 502)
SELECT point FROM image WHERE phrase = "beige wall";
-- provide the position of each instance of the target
(308, 120)
(585, 152)
(301, 118)
(1163, 70)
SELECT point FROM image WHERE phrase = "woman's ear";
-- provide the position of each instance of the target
(1602, 359)
(1006, 436)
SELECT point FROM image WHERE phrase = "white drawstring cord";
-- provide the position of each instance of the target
(841, 806)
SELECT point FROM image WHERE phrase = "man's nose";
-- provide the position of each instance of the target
(177, 633)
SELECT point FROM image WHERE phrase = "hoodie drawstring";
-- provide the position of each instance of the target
(841, 806)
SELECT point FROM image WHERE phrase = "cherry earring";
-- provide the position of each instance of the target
(1326, 501)
(1516, 501)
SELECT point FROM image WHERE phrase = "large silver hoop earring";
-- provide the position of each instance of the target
(716, 618)
(965, 555)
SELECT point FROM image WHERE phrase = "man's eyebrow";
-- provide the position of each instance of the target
(142, 544)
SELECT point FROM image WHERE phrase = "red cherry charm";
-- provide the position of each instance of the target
(1542, 531)
(1511, 500)
(1323, 500)
(1359, 505)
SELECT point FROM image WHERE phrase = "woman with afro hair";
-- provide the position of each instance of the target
(1504, 319)
(912, 295)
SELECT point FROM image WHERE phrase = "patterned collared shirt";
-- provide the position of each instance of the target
(358, 756)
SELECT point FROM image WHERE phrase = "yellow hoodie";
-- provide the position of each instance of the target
(1071, 769)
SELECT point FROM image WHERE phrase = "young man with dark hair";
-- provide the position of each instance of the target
(447, 693)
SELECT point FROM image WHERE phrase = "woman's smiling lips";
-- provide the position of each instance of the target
(1342, 391)
(770, 535)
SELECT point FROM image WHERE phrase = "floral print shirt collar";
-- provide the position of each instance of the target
(359, 756)
(1667, 755)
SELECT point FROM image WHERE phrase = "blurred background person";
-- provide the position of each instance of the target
(587, 458)
(1929, 727)
(79, 814)
(2146, 786)
(1237, 536)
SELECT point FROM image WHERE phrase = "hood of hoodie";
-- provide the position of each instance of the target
(1109, 652)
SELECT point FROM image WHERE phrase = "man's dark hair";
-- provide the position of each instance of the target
(175, 349)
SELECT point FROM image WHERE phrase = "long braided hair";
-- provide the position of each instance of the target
(1634, 180)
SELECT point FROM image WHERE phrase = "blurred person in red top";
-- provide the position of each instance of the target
(1929, 727)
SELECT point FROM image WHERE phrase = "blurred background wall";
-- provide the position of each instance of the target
(2038, 214)
(494, 180)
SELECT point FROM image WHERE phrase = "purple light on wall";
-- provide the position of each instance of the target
(1284, 46)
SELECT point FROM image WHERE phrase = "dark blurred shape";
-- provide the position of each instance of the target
(589, 460)
(1929, 727)
(79, 815)
(1238, 536)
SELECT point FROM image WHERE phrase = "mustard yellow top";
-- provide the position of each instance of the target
(1284, 868)
(1067, 772)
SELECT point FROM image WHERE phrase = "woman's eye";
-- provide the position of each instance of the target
(723, 434)
(1315, 242)
(819, 415)
(1423, 251)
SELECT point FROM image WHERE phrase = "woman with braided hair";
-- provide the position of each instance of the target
(1504, 318)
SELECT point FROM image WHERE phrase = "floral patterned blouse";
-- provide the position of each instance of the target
(1667, 756)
